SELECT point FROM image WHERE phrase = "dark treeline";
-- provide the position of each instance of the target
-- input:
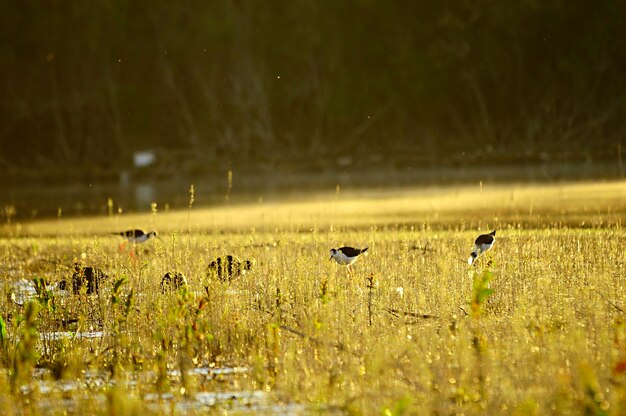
(84, 84)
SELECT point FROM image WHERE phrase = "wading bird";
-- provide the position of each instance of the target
(137, 236)
(346, 256)
(483, 243)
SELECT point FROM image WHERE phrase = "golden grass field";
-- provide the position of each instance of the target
(537, 326)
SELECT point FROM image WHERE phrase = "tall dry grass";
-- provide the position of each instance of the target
(402, 337)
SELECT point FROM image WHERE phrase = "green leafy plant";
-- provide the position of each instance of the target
(45, 296)
(4, 341)
(370, 297)
(26, 354)
(121, 307)
(481, 291)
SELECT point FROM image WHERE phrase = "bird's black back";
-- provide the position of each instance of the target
(486, 238)
(132, 233)
(351, 251)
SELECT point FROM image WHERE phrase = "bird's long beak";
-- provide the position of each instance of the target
(330, 258)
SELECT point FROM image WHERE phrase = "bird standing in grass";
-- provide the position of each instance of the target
(483, 243)
(346, 256)
(135, 237)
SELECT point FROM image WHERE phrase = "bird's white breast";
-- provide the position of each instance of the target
(141, 238)
(481, 248)
(343, 259)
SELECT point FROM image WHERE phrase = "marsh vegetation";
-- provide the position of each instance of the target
(537, 325)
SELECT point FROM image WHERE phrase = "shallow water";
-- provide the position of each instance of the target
(94, 385)
(20, 291)
(57, 335)
(29, 201)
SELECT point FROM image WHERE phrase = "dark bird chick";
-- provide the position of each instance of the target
(90, 277)
(227, 267)
(173, 281)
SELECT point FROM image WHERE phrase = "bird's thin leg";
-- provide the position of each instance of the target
(350, 271)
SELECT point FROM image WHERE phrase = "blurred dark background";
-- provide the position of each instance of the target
(380, 91)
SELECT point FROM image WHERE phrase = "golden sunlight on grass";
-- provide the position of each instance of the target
(536, 326)
(569, 204)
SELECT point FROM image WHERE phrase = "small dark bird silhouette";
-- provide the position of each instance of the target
(84, 276)
(483, 243)
(227, 267)
(173, 281)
